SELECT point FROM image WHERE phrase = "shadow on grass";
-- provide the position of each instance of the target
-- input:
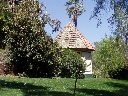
(120, 90)
(54, 93)
(31, 90)
(94, 92)
(123, 88)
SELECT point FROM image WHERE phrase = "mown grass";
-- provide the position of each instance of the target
(62, 87)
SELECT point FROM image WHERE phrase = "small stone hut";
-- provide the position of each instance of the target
(71, 37)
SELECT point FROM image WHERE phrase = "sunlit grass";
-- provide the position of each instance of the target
(62, 87)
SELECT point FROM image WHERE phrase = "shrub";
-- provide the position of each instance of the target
(120, 73)
(71, 64)
(109, 56)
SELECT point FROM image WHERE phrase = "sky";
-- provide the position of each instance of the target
(57, 10)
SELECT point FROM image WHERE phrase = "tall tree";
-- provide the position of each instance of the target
(119, 18)
(29, 47)
(74, 9)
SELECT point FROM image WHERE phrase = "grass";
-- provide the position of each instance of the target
(62, 87)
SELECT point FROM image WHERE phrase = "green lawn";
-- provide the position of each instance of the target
(62, 87)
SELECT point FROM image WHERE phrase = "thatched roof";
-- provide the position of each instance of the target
(71, 37)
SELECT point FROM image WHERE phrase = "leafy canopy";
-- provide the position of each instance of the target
(30, 49)
(108, 56)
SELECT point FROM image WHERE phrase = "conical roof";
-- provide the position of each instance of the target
(71, 37)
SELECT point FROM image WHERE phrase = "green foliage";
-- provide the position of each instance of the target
(71, 64)
(30, 49)
(120, 73)
(119, 22)
(74, 9)
(74, 5)
(109, 56)
(119, 19)
(4, 15)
